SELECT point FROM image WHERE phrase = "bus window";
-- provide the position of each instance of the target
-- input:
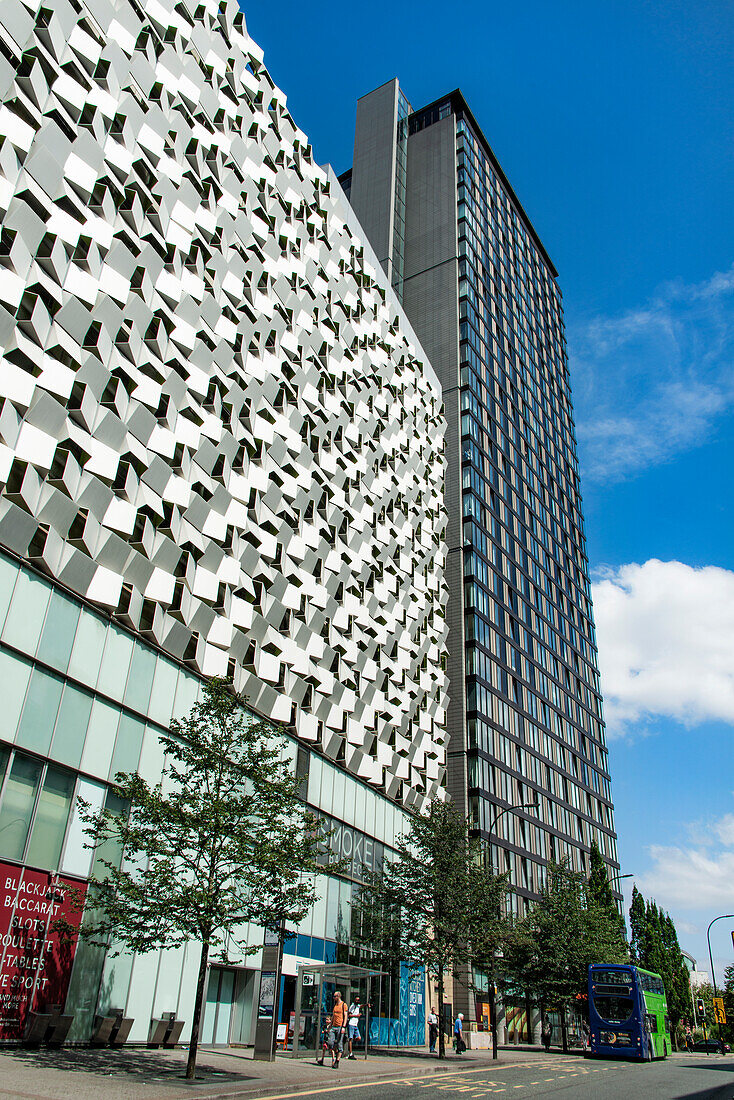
(613, 1010)
(651, 983)
(651, 1021)
(611, 977)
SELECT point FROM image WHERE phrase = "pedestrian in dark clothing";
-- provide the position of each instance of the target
(432, 1030)
(546, 1032)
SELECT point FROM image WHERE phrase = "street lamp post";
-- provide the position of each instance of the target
(724, 916)
(493, 999)
(618, 878)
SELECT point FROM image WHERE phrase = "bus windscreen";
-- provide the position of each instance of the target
(614, 1010)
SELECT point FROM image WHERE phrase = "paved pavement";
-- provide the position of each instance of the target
(140, 1074)
(133, 1074)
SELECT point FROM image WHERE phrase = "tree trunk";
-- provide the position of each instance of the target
(564, 1030)
(198, 1004)
(441, 1040)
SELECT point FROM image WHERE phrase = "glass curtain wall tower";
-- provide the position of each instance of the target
(525, 710)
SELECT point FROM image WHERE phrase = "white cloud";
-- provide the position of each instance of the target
(697, 877)
(651, 382)
(666, 645)
(724, 829)
(695, 883)
(688, 929)
(690, 878)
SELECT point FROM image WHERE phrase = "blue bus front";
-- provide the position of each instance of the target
(616, 1014)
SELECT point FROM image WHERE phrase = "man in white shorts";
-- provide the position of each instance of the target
(355, 1012)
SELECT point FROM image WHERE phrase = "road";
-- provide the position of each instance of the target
(680, 1077)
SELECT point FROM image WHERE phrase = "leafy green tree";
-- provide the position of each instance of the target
(223, 839)
(604, 931)
(705, 991)
(598, 888)
(574, 923)
(419, 909)
(546, 951)
(654, 954)
(655, 947)
(728, 994)
(638, 926)
(676, 977)
(488, 925)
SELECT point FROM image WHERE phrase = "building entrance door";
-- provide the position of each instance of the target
(228, 1006)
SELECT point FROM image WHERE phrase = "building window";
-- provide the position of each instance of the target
(34, 811)
(52, 816)
(16, 810)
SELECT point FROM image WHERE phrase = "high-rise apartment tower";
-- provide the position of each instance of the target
(525, 712)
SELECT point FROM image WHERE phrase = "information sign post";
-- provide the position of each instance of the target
(267, 1010)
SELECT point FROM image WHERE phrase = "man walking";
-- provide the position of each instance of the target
(546, 1032)
(459, 1034)
(355, 1012)
(338, 1028)
(432, 1031)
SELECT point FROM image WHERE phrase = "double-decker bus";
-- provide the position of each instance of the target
(628, 1014)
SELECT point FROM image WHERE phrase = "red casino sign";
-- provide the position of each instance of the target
(35, 960)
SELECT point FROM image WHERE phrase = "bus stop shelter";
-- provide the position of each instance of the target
(315, 988)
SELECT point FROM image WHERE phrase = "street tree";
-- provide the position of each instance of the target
(676, 976)
(419, 909)
(545, 952)
(223, 839)
(704, 991)
(655, 947)
(600, 897)
(638, 927)
(603, 925)
(574, 924)
(728, 996)
(488, 926)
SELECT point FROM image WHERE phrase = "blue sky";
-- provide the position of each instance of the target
(613, 121)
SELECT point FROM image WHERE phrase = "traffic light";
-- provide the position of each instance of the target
(700, 1008)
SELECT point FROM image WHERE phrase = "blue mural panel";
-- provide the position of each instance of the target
(409, 1029)
(412, 1028)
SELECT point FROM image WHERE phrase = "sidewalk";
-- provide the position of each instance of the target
(141, 1074)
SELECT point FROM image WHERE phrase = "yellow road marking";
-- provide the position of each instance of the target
(319, 1091)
